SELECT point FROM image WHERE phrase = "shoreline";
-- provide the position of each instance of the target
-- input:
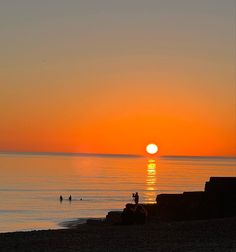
(65, 224)
(197, 235)
(74, 223)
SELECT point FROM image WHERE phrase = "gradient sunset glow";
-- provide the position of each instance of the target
(113, 76)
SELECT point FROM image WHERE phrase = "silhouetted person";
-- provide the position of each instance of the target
(81, 199)
(61, 199)
(136, 198)
(70, 198)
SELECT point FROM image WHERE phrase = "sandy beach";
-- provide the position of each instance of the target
(205, 235)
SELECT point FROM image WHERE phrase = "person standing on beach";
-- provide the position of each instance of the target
(136, 198)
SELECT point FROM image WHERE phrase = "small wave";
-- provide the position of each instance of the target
(73, 223)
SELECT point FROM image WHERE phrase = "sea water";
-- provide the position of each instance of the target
(30, 185)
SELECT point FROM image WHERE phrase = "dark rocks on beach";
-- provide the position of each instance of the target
(113, 217)
(132, 214)
(217, 201)
(188, 205)
(220, 194)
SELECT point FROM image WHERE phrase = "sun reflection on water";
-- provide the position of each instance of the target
(151, 188)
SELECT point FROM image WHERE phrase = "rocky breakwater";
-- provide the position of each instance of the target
(220, 197)
(218, 200)
(132, 214)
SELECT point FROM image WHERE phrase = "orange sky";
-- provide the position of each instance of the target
(108, 78)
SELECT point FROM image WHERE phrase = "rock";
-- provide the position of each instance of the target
(113, 217)
(220, 197)
(170, 206)
(217, 201)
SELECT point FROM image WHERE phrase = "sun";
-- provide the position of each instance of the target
(151, 148)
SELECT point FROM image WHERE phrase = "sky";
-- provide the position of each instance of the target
(105, 76)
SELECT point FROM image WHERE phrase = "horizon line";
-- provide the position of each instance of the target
(59, 153)
(91, 154)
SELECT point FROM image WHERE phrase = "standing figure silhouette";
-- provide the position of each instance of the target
(136, 198)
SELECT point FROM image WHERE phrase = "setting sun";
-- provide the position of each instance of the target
(152, 148)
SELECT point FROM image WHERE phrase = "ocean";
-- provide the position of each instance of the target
(31, 184)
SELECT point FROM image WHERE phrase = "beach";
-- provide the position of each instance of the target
(202, 235)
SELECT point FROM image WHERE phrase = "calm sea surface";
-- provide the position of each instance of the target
(30, 185)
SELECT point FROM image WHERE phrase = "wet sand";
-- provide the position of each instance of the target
(205, 235)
